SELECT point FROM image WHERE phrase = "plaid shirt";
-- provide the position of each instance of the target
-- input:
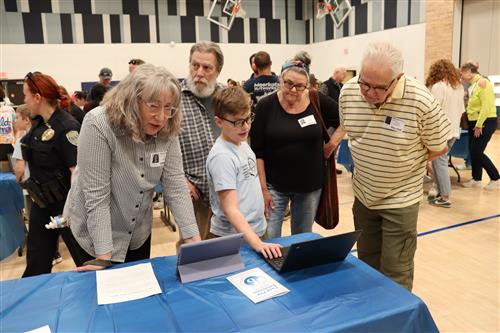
(196, 139)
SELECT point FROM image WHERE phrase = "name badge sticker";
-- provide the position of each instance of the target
(307, 121)
(157, 159)
(394, 123)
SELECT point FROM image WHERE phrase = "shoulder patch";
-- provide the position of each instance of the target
(72, 137)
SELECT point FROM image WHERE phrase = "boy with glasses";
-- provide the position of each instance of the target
(235, 195)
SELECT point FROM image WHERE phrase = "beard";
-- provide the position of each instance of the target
(205, 92)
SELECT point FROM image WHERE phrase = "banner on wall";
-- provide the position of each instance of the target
(7, 115)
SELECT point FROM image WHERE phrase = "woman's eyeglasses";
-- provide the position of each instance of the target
(241, 122)
(290, 85)
(29, 76)
(155, 109)
(365, 87)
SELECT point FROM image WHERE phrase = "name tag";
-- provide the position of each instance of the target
(157, 159)
(307, 121)
(394, 123)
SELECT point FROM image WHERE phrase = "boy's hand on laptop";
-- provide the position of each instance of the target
(269, 250)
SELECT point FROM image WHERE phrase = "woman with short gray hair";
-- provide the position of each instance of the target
(126, 147)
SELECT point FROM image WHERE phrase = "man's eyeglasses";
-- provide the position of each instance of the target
(155, 109)
(365, 87)
(240, 122)
(29, 76)
(290, 85)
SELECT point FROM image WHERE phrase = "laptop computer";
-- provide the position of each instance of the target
(315, 252)
(212, 257)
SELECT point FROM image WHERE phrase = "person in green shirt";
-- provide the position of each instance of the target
(482, 118)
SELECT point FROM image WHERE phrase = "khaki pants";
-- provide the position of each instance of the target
(203, 214)
(389, 240)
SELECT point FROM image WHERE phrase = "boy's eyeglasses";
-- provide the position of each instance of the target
(155, 109)
(365, 87)
(29, 76)
(290, 85)
(240, 122)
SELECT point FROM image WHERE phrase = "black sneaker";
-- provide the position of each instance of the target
(442, 202)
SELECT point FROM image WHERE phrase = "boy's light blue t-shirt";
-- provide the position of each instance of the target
(232, 167)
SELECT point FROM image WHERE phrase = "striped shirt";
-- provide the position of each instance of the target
(110, 202)
(390, 144)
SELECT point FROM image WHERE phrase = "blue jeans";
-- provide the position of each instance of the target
(441, 171)
(303, 208)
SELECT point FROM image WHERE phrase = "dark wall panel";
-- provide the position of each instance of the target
(92, 28)
(40, 6)
(114, 22)
(254, 34)
(130, 7)
(82, 6)
(32, 23)
(10, 5)
(266, 9)
(172, 7)
(66, 29)
(236, 34)
(214, 32)
(188, 29)
(329, 26)
(194, 7)
(390, 14)
(361, 17)
(139, 27)
(299, 15)
(273, 31)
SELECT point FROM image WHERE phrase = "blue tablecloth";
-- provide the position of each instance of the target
(11, 203)
(343, 297)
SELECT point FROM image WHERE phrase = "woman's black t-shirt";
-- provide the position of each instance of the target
(291, 145)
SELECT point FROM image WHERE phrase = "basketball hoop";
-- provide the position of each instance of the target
(324, 8)
(231, 10)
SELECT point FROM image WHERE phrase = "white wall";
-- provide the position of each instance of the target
(348, 51)
(71, 64)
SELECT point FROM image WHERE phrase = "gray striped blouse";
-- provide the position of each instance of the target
(110, 203)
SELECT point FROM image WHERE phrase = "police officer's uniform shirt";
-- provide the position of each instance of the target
(57, 153)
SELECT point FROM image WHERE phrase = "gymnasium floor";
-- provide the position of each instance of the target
(457, 263)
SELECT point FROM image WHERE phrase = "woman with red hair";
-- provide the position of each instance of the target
(50, 147)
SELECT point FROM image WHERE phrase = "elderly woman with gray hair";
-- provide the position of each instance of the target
(288, 141)
(127, 146)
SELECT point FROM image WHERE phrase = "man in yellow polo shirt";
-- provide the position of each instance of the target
(394, 126)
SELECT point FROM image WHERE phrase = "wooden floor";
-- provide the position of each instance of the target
(457, 270)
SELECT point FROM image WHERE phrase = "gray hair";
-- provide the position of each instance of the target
(209, 47)
(304, 57)
(387, 54)
(146, 82)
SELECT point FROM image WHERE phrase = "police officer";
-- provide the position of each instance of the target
(50, 148)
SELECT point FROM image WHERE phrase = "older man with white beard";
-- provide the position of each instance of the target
(199, 130)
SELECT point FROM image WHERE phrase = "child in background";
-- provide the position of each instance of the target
(235, 194)
(22, 125)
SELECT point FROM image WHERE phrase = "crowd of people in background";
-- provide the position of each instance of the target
(95, 158)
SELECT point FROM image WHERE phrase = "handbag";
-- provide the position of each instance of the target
(327, 214)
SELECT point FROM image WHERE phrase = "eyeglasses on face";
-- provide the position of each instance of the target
(240, 122)
(290, 85)
(29, 77)
(365, 87)
(155, 109)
